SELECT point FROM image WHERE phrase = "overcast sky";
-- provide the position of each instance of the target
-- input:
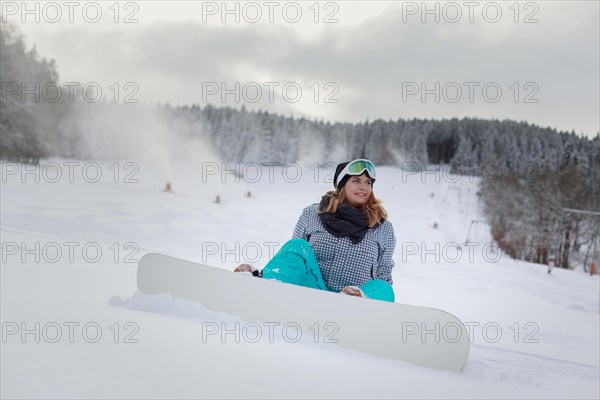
(369, 60)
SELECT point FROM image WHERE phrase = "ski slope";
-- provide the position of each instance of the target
(74, 327)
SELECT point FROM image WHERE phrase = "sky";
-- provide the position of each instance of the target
(348, 61)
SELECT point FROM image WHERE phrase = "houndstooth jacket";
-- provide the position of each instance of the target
(343, 263)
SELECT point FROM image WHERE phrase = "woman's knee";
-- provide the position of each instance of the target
(296, 248)
(379, 290)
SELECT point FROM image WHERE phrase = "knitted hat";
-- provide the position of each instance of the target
(339, 169)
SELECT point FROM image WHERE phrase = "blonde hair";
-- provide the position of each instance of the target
(372, 206)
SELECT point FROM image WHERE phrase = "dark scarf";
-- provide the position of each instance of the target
(347, 221)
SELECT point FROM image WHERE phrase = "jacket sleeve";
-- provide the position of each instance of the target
(301, 229)
(386, 252)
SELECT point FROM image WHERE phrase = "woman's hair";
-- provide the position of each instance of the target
(372, 206)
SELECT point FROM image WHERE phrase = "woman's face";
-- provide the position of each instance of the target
(358, 189)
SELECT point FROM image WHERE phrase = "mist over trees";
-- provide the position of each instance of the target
(529, 174)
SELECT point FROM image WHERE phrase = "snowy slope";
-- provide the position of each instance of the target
(534, 335)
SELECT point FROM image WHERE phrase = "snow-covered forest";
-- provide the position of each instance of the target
(530, 173)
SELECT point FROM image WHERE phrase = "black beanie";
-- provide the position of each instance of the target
(339, 169)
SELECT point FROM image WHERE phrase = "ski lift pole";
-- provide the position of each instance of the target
(559, 234)
(575, 211)
(473, 222)
(595, 251)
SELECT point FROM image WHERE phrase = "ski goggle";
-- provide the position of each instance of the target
(355, 168)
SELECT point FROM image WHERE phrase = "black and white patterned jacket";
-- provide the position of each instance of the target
(343, 263)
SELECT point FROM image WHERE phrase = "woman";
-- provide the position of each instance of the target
(343, 244)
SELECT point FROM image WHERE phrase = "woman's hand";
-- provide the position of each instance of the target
(245, 268)
(353, 291)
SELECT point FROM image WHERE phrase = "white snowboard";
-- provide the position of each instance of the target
(418, 335)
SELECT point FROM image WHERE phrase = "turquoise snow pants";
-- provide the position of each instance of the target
(296, 263)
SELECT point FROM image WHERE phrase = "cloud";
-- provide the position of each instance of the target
(554, 61)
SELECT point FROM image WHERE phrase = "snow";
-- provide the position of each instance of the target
(534, 334)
